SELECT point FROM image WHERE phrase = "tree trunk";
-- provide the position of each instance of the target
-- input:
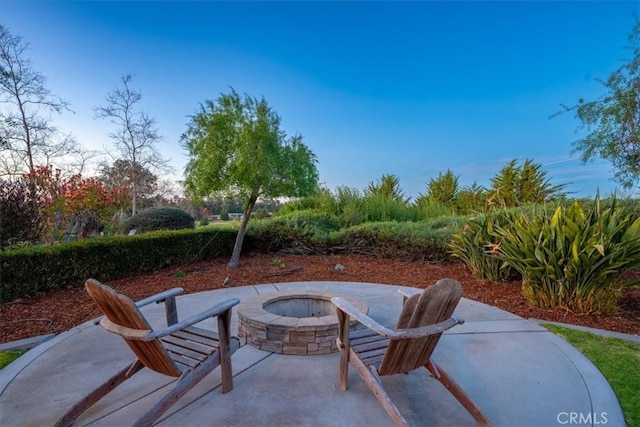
(237, 248)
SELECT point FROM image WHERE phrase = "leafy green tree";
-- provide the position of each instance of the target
(443, 190)
(236, 148)
(613, 120)
(387, 188)
(517, 185)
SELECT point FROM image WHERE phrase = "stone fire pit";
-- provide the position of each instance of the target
(294, 322)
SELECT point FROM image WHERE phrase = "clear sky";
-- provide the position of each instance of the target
(404, 88)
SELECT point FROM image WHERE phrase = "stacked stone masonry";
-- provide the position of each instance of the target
(283, 333)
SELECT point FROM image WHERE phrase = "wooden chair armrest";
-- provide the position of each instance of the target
(408, 293)
(367, 321)
(212, 312)
(158, 298)
(353, 312)
(425, 331)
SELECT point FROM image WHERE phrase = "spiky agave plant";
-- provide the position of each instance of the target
(573, 260)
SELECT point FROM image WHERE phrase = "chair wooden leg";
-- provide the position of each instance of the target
(185, 383)
(68, 418)
(224, 335)
(372, 380)
(343, 345)
(459, 394)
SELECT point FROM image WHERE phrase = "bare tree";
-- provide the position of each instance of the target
(135, 135)
(27, 137)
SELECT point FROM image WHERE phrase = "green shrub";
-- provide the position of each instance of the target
(474, 244)
(308, 229)
(307, 232)
(158, 219)
(428, 209)
(204, 221)
(26, 271)
(380, 209)
(573, 260)
(410, 241)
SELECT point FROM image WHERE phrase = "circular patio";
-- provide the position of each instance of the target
(517, 372)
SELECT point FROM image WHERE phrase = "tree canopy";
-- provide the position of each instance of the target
(237, 149)
(613, 120)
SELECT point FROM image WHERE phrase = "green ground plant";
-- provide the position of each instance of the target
(475, 242)
(617, 359)
(573, 260)
(7, 357)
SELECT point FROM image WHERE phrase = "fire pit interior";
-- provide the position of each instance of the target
(295, 322)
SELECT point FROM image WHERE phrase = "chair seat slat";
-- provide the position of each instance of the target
(190, 345)
(206, 334)
(373, 361)
(361, 333)
(371, 346)
(182, 348)
(184, 362)
(196, 340)
(367, 340)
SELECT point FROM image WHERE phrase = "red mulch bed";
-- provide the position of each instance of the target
(59, 311)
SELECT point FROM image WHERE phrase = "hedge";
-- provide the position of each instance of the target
(26, 271)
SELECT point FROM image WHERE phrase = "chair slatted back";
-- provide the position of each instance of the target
(435, 304)
(122, 311)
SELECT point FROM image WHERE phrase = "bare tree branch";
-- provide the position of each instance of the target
(28, 137)
(135, 135)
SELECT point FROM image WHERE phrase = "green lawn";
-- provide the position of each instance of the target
(7, 357)
(619, 362)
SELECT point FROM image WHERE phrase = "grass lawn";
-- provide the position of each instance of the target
(619, 362)
(7, 357)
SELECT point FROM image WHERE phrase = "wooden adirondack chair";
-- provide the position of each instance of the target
(180, 350)
(378, 351)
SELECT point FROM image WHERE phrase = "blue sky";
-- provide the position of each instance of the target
(405, 88)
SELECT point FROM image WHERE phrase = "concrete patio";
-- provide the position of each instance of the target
(516, 371)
